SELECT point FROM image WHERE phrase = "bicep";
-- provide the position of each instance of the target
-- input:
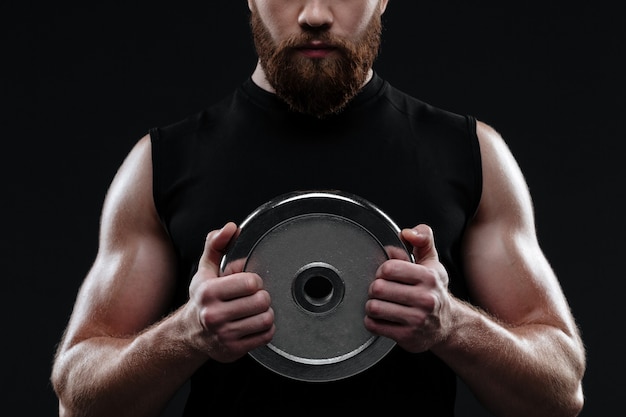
(131, 282)
(508, 273)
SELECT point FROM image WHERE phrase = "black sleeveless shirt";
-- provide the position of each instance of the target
(417, 163)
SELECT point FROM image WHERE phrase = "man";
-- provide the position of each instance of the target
(154, 311)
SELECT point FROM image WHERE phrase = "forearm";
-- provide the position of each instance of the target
(515, 371)
(136, 376)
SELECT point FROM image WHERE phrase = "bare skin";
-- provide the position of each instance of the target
(518, 348)
(118, 355)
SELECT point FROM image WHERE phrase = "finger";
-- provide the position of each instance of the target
(250, 325)
(422, 239)
(401, 272)
(232, 287)
(383, 328)
(387, 312)
(226, 308)
(214, 247)
(255, 331)
(396, 289)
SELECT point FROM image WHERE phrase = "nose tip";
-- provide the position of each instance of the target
(316, 14)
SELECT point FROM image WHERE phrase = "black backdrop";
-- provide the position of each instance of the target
(81, 83)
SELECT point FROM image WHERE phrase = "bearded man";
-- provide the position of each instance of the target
(476, 300)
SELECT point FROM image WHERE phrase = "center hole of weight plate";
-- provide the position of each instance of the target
(318, 288)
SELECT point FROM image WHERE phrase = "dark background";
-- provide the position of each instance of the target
(82, 83)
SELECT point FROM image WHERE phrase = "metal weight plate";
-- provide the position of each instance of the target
(317, 252)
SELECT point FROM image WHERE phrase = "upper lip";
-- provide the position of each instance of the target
(316, 45)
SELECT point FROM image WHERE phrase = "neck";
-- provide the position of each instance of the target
(259, 78)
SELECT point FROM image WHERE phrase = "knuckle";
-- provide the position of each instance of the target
(428, 301)
(204, 292)
(251, 282)
(267, 319)
(377, 288)
(260, 301)
(208, 319)
(389, 268)
(373, 308)
(266, 298)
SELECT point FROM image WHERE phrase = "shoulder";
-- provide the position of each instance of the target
(491, 141)
(505, 192)
(498, 160)
(129, 197)
(423, 110)
(189, 125)
(180, 128)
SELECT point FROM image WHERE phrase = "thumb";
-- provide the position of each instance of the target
(422, 239)
(214, 247)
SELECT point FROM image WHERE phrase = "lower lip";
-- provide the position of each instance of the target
(316, 53)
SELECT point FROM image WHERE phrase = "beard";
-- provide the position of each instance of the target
(317, 86)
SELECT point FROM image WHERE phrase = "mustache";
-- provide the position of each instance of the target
(306, 39)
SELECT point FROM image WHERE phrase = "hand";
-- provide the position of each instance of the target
(409, 302)
(230, 314)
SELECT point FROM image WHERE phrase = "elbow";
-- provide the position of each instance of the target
(59, 387)
(59, 381)
(63, 412)
(564, 396)
(572, 398)
(572, 394)
(67, 412)
(558, 405)
(577, 397)
(59, 384)
(575, 404)
(569, 403)
(65, 407)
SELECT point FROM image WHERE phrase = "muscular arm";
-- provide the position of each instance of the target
(523, 354)
(119, 355)
(107, 362)
(519, 350)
